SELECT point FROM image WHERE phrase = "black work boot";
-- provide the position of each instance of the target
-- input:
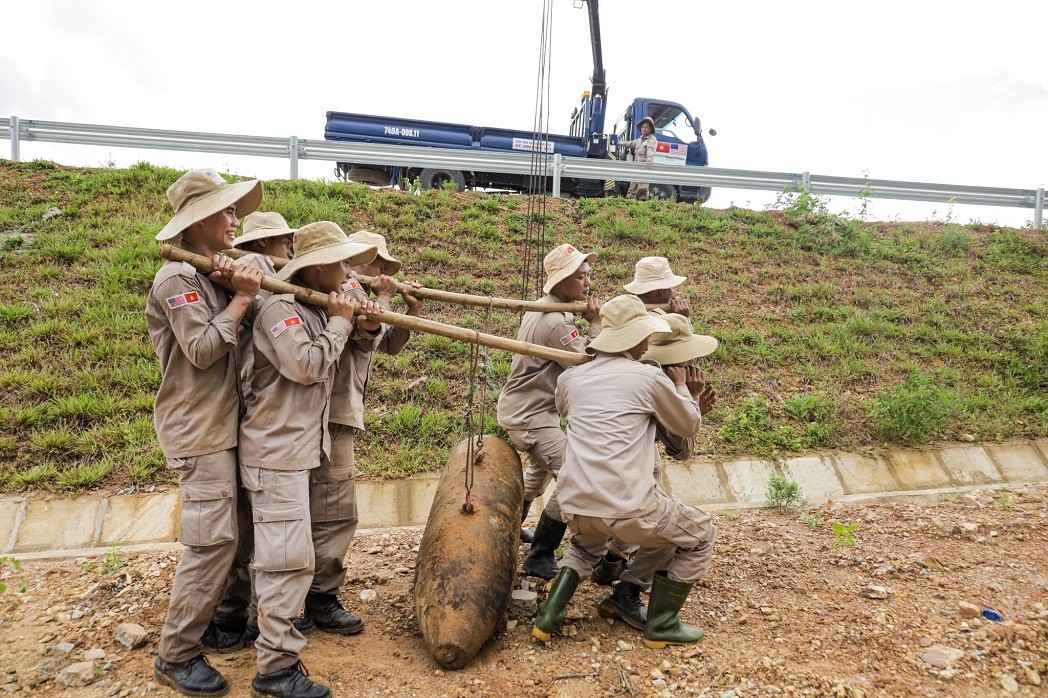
(608, 570)
(554, 609)
(194, 677)
(303, 624)
(624, 603)
(526, 534)
(224, 636)
(329, 615)
(541, 562)
(292, 682)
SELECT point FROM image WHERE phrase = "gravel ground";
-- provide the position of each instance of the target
(790, 609)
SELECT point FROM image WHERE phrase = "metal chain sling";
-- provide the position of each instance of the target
(476, 417)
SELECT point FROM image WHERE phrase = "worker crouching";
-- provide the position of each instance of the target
(607, 487)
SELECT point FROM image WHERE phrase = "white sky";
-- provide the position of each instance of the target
(921, 91)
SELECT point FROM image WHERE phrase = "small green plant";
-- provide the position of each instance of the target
(812, 519)
(112, 559)
(16, 566)
(844, 535)
(1005, 499)
(865, 194)
(782, 493)
(730, 514)
(951, 496)
(912, 411)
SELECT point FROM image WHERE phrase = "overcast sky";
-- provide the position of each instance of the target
(921, 91)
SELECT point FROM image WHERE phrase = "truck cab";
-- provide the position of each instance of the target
(680, 142)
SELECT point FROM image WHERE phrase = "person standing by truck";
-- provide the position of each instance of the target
(643, 151)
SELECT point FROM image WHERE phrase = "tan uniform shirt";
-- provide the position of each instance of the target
(612, 405)
(526, 401)
(245, 352)
(198, 402)
(296, 350)
(644, 148)
(354, 366)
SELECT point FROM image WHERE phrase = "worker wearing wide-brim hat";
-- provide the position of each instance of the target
(264, 235)
(332, 489)
(644, 149)
(607, 486)
(678, 347)
(655, 283)
(284, 437)
(526, 406)
(193, 323)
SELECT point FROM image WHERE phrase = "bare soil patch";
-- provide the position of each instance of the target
(787, 612)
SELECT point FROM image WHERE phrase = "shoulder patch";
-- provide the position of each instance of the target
(181, 299)
(569, 338)
(354, 284)
(278, 329)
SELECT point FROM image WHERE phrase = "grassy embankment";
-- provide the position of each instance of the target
(834, 333)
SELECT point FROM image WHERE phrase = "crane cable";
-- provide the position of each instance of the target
(535, 229)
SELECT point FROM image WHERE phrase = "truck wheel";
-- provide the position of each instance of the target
(703, 195)
(436, 179)
(662, 191)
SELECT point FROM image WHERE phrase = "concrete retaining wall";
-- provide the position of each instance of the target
(36, 527)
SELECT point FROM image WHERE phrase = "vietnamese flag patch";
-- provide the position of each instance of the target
(662, 148)
(183, 299)
(278, 329)
(354, 284)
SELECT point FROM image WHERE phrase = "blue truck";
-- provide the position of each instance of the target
(679, 135)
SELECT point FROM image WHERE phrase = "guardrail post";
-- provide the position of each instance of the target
(1038, 209)
(806, 182)
(293, 152)
(558, 168)
(15, 128)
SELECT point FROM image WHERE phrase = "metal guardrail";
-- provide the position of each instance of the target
(294, 149)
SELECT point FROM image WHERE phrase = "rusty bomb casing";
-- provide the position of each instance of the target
(467, 562)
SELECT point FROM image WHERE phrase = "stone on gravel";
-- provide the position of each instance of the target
(876, 592)
(969, 610)
(1009, 683)
(77, 675)
(65, 647)
(623, 646)
(1032, 677)
(523, 604)
(368, 595)
(93, 654)
(940, 657)
(131, 635)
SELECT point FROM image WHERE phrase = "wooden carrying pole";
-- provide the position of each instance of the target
(406, 322)
(465, 298)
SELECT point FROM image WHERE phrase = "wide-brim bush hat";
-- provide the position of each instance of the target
(625, 324)
(652, 274)
(258, 226)
(647, 120)
(200, 193)
(324, 242)
(366, 237)
(562, 262)
(680, 344)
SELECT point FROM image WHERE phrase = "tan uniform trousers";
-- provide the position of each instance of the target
(333, 510)
(638, 190)
(209, 533)
(283, 561)
(674, 537)
(239, 600)
(545, 449)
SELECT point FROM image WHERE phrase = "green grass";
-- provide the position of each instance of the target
(834, 333)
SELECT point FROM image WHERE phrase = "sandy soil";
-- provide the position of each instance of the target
(787, 612)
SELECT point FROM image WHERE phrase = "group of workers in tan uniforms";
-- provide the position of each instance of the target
(260, 399)
(262, 395)
(607, 467)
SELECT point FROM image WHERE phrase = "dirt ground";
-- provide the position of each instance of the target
(789, 609)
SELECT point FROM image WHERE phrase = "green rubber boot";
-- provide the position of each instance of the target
(554, 609)
(664, 626)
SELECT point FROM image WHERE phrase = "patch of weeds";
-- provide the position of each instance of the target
(16, 567)
(844, 535)
(84, 475)
(782, 493)
(811, 519)
(36, 476)
(911, 412)
(730, 515)
(951, 496)
(1005, 499)
(806, 408)
(112, 559)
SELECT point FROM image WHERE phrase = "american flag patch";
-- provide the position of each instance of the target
(279, 328)
(569, 338)
(183, 299)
